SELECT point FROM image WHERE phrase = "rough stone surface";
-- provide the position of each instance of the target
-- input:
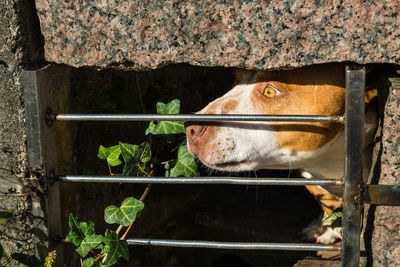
(16, 48)
(386, 233)
(12, 125)
(312, 262)
(250, 34)
(16, 234)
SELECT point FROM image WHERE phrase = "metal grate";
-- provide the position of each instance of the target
(355, 193)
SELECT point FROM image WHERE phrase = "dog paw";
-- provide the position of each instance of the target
(328, 237)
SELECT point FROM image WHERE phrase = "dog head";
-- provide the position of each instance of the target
(241, 146)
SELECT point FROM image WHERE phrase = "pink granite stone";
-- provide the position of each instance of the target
(385, 241)
(254, 34)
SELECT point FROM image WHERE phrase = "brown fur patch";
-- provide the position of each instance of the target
(229, 106)
(327, 201)
(305, 91)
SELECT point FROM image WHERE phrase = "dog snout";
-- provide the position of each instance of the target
(194, 132)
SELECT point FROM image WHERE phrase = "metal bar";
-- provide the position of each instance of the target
(190, 117)
(354, 128)
(198, 180)
(33, 120)
(388, 195)
(231, 245)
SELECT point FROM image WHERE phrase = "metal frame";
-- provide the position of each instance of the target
(355, 192)
(199, 117)
(40, 91)
(231, 245)
(198, 180)
(354, 135)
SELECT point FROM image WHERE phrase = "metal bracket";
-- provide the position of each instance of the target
(41, 87)
(354, 128)
(388, 195)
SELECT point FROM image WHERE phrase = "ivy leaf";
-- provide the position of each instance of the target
(6, 216)
(90, 242)
(334, 218)
(335, 221)
(79, 230)
(168, 167)
(117, 248)
(124, 215)
(172, 107)
(186, 164)
(111, 154)
(92, 262)
(167, 127)
(134, 155)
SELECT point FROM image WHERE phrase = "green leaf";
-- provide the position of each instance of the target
(186, 164)
(125, 214)
(133, 156)
(90, 242)
(79, 230)
(334, 218)
(151, 128)
(172, 107)
(118, 248)
(6, 216)
(167, 127)
(111, 154)
(168, 166)
(92, 262)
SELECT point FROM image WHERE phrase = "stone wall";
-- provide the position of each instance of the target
(385, 244)
(20, 45)
(254, 34)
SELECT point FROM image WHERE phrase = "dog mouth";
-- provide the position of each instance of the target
(229, 164)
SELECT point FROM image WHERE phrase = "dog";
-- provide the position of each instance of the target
(315, 148)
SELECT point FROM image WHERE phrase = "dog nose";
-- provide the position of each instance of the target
(195, 132)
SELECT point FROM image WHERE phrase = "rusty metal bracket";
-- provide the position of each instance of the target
(354, 127)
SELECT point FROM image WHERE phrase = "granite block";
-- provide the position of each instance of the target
(386, 233)
(253, 34)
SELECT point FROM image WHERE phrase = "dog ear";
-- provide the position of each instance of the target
(242, 76)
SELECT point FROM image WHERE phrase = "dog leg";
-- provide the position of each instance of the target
(329, 203)
(326, 200)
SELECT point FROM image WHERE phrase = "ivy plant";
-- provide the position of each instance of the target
(105, 250)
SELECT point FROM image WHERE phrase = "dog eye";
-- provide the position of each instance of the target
(271, 91)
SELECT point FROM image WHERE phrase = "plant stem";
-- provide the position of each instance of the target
(165, 162)
(143, 171)
(82, 262)
(109, 169)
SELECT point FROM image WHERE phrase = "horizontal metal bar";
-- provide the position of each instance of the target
(197, 117)
(198, 180)
(231, 245)
(388, 195)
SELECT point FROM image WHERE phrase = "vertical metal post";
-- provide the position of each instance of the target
(43, 87)
(355, 84)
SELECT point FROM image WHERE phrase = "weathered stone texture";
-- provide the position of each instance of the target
(12, 147)
(386, 234)
(16, 236)
(250, 34)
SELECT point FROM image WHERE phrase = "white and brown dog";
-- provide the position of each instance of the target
(317, 149)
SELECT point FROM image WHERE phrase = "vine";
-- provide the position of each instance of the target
(105, 250)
